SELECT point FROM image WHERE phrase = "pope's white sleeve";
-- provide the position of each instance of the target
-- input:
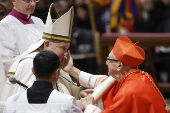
(90, 81)
(92, 109)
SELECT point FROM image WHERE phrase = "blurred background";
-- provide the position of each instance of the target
(97, 23)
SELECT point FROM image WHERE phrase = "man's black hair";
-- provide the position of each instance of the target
(45, 63)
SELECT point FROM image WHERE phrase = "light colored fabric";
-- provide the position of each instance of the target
(25, 75)
(32, 48)
(2, 104)
(92, 81)
(57, 103)
(89, 81)
(2, 76)
(58, 28)
(92, 109)
(69, 86)
(17, 37)
(164, 49)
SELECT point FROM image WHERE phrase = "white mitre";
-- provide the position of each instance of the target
(57, 29)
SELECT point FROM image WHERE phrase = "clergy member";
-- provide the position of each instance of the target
(133, 92)
(19, 30)
(41, 97)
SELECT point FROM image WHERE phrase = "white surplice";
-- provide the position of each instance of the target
(16, 37)
(57, 103)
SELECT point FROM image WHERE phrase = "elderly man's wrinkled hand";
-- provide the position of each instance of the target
(87, 100)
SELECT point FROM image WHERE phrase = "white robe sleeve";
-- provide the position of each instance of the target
(90, 81)
(92, 109)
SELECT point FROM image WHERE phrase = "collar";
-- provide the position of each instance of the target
(25, 19)
(42, 84)
(39, 92)
(136, 70)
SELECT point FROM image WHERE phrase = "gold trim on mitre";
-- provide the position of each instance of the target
(56, 38)
(60, 30)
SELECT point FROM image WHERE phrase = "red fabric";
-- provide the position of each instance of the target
(78, 82)
(136, 95)
(127, 52)
(128, 26)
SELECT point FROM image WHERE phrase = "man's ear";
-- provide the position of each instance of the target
(33, 71)
(120, 66)
(14, 2)
(46, 44)
(57, 73)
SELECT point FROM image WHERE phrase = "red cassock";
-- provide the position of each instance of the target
(134, 93)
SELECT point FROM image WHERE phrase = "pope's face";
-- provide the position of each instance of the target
(23, 7)
(59, 48)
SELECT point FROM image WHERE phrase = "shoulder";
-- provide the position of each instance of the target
(65, 75)
(25, 62)
(5, 31)
(54, 92)
(63, 101)
(4, 24)
(61, 96)
(135, 85)
(27, 59)
(14, 98)
(37, 20)
(30, 56)
(8, 20)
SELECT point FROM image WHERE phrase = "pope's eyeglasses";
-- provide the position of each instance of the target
(28, 1)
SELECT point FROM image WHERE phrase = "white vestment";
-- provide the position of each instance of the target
(24, 74)
(57, 103)
(16, 38)
(90, 81)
